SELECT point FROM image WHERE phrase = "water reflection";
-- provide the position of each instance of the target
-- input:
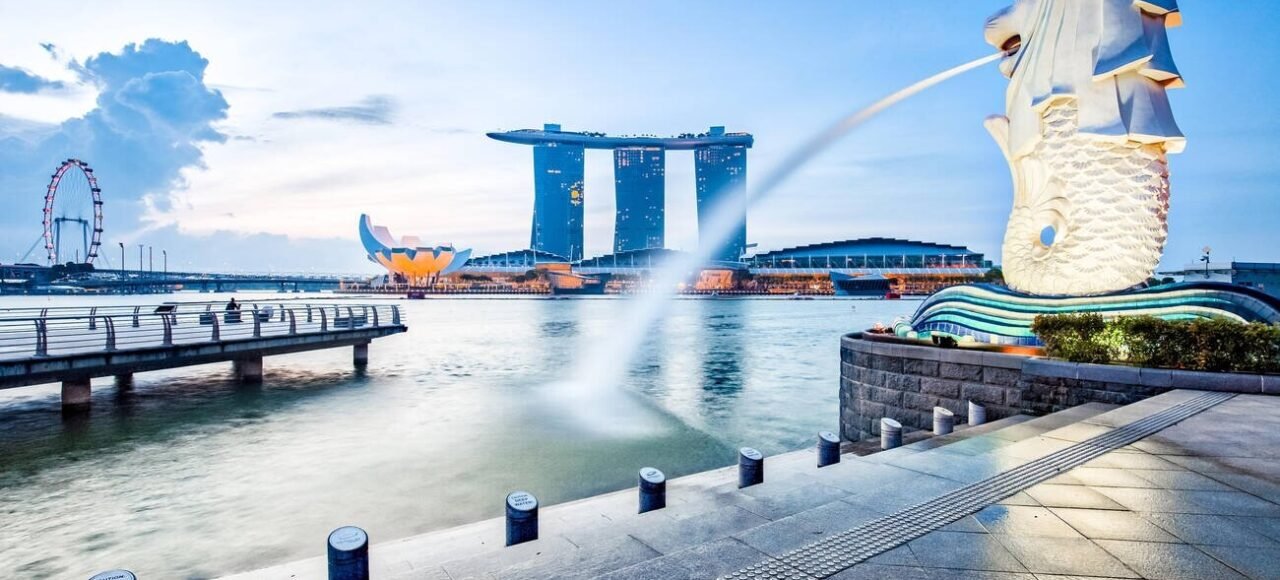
(192, 474)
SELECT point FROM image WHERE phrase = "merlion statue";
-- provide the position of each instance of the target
(1086, 134)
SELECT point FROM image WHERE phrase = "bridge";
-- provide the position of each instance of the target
(74, 345)
(31, 278)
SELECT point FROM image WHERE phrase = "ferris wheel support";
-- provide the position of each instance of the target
(67, 172)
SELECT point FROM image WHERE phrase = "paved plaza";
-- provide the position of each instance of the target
(1199, 498)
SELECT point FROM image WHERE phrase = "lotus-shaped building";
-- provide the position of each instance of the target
(420, 265)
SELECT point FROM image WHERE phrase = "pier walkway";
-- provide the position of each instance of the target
(1182, 485)
(74, 345)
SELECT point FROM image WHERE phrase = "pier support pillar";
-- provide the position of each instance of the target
(360, 354)
(75, 393)
(124, 382)
(249, 370)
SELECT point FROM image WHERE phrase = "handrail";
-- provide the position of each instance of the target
(111, 329)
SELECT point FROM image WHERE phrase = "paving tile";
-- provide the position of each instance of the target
(1257, 563)
(583, 563)
(485, 564)
(1212, 529)
(1269, 527)
(1050, 555)
(1066, 577)
(1071, 496)
(779, 501)
(900, 556)
(714, 559)
(674, 535)
(1181, 479)
(1020, 498)
(649, 570)
(1263, 488)
(964, 551)
(1155, 560)
(1109, 477)
(781, 536)
(1064, 479)
(1113, 525)
(1133, 461)
(1155, 500)
(965, 524)
(1234, 503)
(883, 572)
(1024, 521)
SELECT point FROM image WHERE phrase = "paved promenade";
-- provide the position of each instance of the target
(1184, 485)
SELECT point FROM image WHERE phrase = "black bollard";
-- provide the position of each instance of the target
(114, 575)
(348, 554)
(828, 449)
(653, 490)
(750, 467)
(522, 517)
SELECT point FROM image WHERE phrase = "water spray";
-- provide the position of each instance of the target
(591, 393)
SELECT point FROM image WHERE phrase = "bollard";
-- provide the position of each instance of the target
(750, 467)
(114, 575)
(944, 421)
(653, 489)
(890, 433)
(348, 554)
(828, 449)
(522, 517)
(977, 414)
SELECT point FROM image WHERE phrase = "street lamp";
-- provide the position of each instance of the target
(121, 259)
(139, 259)
(165, 253)
(151, 260)
(1205, 259)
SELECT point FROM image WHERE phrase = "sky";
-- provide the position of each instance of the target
(250, 136)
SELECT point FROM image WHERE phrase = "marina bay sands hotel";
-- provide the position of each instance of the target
(639, 165)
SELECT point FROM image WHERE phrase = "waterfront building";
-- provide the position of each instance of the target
(1262, 276)
(406, 258)
(640, 182)
(721, 174)
(912, 267)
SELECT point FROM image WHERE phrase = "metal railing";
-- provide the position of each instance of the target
(49, 332)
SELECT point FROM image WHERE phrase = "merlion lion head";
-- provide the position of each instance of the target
(1086, 129)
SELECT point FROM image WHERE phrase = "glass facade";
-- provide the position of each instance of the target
(558, 199)
(640, 182)
(721, 175)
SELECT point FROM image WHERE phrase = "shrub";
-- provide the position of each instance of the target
(1202, 344)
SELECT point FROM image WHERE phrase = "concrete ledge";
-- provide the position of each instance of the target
(885, 377)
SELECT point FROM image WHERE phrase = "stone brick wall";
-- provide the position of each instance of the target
(905, 381)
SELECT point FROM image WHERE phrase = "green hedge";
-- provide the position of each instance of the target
(1202, 344)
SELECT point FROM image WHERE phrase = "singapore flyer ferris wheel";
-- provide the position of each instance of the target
(73, 214)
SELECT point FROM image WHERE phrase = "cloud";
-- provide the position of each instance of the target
(372, 110)
(16, 80)
(152, 113)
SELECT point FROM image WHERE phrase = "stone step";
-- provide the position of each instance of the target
(710, 525)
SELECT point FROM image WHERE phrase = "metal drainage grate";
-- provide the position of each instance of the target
(840, 551)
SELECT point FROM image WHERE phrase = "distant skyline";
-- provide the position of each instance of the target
(251, 136)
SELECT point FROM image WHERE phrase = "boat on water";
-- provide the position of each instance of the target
(573, 284)
(869, 286)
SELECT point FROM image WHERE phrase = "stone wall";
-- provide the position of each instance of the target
(882, 377)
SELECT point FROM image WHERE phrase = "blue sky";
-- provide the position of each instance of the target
(250, 136)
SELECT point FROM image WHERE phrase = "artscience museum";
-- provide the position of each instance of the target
(407, 258)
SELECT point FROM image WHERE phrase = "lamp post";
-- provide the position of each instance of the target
(165, 254)
(1205, 259)
(151, 260)
(121, 259)
(140, 259)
